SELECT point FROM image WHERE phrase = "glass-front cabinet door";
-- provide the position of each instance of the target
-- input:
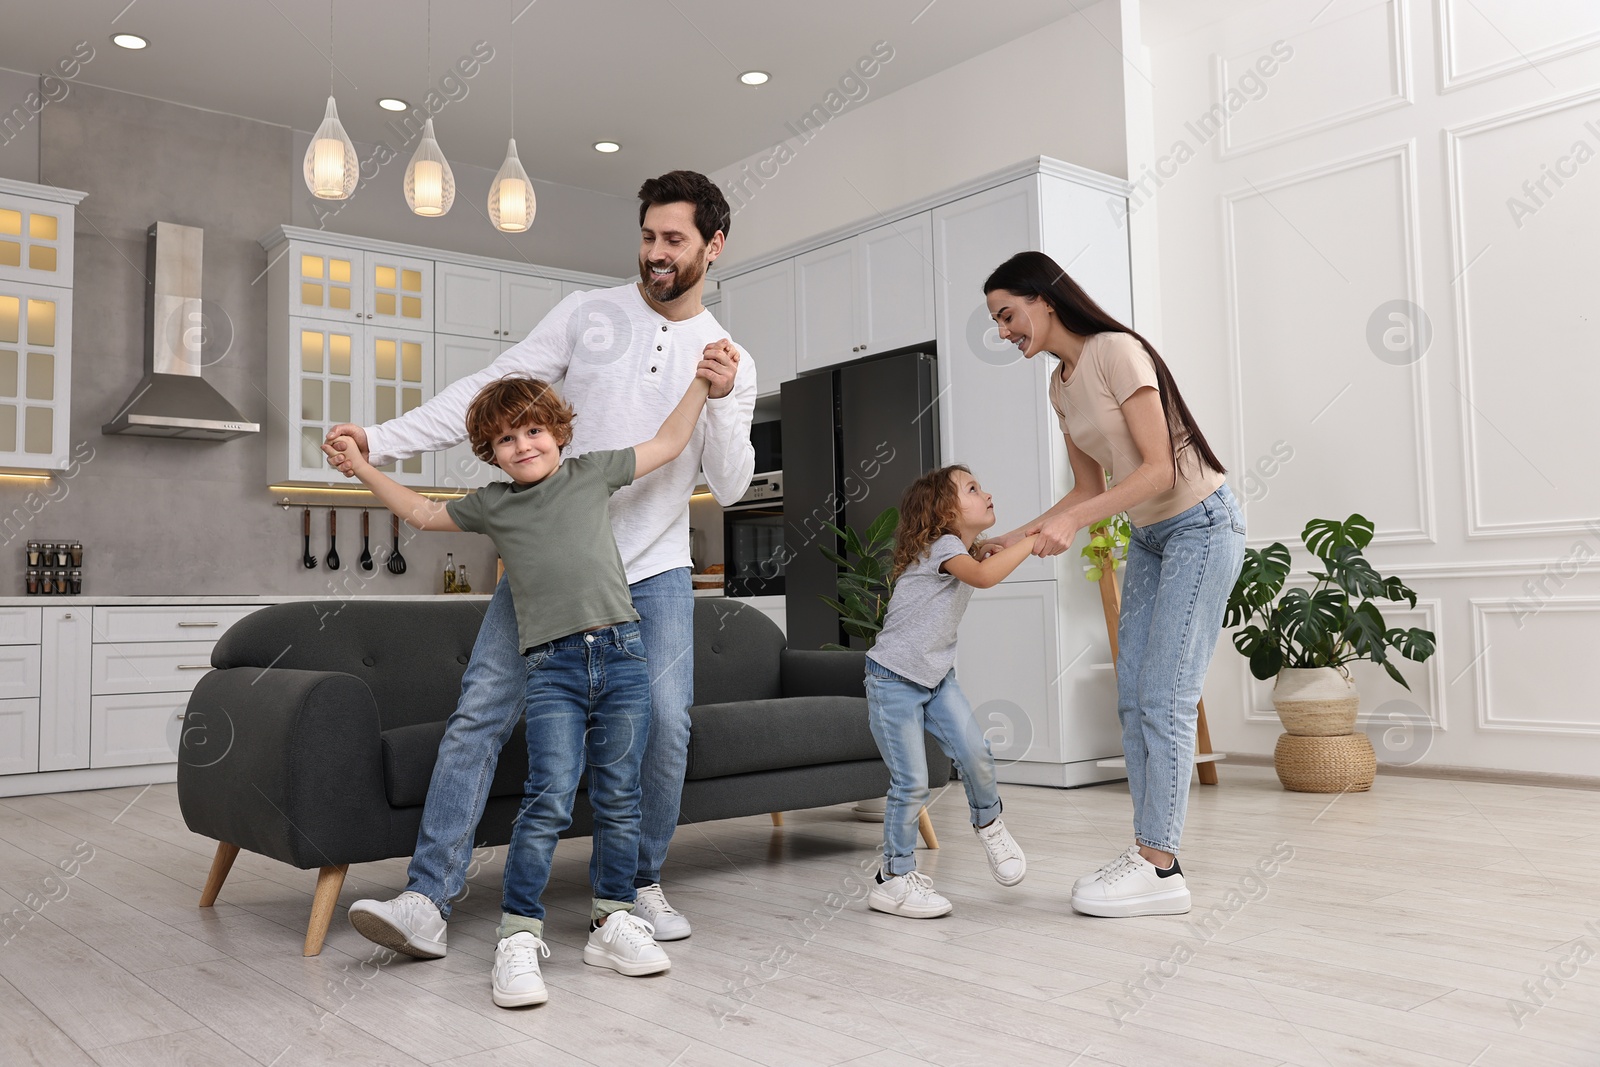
(35, 241)
(327, 386)
(399, 373)
(35, 375)
(399, 291)
(326, 282)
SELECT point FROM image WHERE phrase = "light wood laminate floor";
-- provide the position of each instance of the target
(1427, 922)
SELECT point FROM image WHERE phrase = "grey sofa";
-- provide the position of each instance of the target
(313, 740)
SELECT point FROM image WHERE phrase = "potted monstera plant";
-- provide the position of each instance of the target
(1303, 637)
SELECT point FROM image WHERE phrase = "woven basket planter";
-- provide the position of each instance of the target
(1316, 701)
(1325, 764)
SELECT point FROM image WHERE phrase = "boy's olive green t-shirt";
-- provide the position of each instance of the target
(555, 537)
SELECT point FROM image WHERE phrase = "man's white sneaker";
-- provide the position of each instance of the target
(1006, 861)
(650, 904)
(517, 981)
(911, 895)
(409, 923)
(1099, 873)
(625, 943)
(1133, 886)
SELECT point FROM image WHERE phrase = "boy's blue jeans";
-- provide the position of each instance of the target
(899, 710)
(588, 703)
(1175, 589)
(493, 695)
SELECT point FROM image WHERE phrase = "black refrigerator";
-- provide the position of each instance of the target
(853, 439)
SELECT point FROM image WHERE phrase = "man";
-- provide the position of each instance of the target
(626, 356)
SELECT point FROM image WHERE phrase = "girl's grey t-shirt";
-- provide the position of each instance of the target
(918, 640)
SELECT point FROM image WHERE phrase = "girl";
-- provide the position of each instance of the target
(911, 682)
(1120, 411)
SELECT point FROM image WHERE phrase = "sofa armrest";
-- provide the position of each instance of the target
(823, 673)
(285, 763)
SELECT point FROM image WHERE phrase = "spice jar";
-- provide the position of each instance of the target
(33, 581)
(75, 582)
(61, 554)
(75, 551)
(33, 553)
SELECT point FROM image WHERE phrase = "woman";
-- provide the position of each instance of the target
(1121, 413)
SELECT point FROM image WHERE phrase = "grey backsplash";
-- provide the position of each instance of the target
(181, 517)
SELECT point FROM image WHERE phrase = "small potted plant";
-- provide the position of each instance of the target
(864, 581)
(1304, 637)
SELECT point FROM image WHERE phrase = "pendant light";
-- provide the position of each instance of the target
(511, 200)
(430, 186)
(331, 166)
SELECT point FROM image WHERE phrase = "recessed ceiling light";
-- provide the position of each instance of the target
(129, 40)
(754, 77)
(607, 146)
(392, 103)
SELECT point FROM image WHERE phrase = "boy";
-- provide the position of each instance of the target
(588, 695)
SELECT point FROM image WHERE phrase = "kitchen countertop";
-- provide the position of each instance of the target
(198, 601)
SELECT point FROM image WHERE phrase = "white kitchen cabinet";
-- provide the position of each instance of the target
(496, 305)
(398, 367)
(865, 295)
(457, 357)
(757, 310)
(36, 263)
(131, 729)
(524, 301)
(328, 281)
(64, 688)
(19, 736)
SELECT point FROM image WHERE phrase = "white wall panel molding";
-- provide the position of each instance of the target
(1483, 242)
(1333, 77)
(1484, 39)
(1346, 299)
(1531, 654)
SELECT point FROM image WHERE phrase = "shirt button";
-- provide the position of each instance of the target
(663, 329)
(652, 370)
(658, 348)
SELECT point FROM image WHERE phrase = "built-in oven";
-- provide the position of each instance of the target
(752, 540)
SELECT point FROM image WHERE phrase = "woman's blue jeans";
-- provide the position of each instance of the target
(1175, 590)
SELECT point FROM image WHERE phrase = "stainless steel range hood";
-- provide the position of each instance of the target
(173, 400)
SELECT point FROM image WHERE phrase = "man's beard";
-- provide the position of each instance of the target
(686, 275)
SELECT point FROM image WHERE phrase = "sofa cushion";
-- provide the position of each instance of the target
(736, 652)
(409, 753)
(765, 735)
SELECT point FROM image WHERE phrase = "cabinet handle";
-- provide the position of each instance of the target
(194, 666)
(369, 314)
(179, 715)
(68, 615)
(186, 623)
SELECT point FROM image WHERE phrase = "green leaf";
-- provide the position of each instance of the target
(1093, 574)
(1365, 632)
(1395, 674)
(1350, 569)
(1395, 589)
(1415, 644)
(833, 557)
(1263, 574)
(882, 527)
(1311, 619)
(1322, 536)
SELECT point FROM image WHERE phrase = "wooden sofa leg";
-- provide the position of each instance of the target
(1208, 769)
(221, 864)
(777, 818)
(925, 824)
(329, 881)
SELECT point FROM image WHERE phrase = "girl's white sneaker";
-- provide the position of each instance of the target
(517, 981)
(626, 944)
(1006, 861)
(911, 895)
(1132, 886)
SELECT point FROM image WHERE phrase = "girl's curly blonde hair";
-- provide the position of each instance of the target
(928, 511)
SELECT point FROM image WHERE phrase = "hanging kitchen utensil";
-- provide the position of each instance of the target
(333, 539)
(308, 559)
(366, 546)
(397, 562)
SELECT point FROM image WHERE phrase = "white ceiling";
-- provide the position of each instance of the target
(659, 77)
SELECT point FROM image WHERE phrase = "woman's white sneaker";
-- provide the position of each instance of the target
(409, 923)
(910, 895)
(626, 944)
(1133, 886)
(517, 981)
(650, 904)
(1006, 861)
(1099, 873)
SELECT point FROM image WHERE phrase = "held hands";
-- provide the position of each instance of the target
(718, 366)
(358, 442)
(1054, 535)
(345, 455)
(989, 546)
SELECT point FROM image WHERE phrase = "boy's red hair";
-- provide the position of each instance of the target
(511, 403)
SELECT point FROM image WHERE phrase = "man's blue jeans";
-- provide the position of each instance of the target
(898, 711)
(1179, 574)
(493, 691)
(588, 703)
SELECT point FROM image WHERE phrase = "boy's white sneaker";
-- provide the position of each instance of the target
(650, 904)
(1133, 886)
(911, 895)
(1006, 861)
(409, 923)
(1098, 873)
(626, 944)
(517, 981)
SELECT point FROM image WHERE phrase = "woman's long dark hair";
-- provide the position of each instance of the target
(1036, 274)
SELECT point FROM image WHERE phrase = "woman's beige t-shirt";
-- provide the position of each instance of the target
(1112, 368)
